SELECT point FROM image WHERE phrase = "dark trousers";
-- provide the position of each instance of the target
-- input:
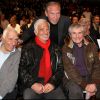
(75, 91)
(55, 94)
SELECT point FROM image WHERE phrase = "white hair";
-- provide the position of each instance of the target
(7, 31)
(38, 23)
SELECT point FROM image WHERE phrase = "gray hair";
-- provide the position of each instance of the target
(7, 31)
(38, 23)
(75, 26)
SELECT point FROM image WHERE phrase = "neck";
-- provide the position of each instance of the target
(79, 44)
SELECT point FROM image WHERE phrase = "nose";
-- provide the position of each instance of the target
(55, 16)
(46, 31)
(14, 42)
(77, 35)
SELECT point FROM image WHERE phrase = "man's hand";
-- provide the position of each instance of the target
(91, 88)
(48, 88)
(38, 88)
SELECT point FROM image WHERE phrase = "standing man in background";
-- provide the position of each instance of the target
(58, 24)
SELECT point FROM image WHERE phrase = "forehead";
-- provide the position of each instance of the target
(43, 24)
(77, 30)
(12, 34)
(75, 17)
(97, 17)
(53, 7)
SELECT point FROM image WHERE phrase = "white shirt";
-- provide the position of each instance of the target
(1, 98)
(3, 58)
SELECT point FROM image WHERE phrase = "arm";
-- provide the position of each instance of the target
(96, 67)
(10, 80)
(27, 76)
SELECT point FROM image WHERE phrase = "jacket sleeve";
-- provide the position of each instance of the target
(25, 75)
(96, 67)
(8, 84)
(59, 70)
(70, 70)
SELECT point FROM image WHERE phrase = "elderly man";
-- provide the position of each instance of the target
(58, 24)
(41, 70)
(81, 64)
(9, 62)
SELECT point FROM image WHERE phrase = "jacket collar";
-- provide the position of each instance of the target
(71, 44)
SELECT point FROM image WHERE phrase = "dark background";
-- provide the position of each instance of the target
(9, 6)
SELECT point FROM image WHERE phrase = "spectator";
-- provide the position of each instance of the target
(4, 22)
(74, 19)
(13, 24)
(9, 63)
(87, 13)
(41, 70)
(95, 28)
(81, 64)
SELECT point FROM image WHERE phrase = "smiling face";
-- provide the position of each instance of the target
(43, 32)
(10, 41)
(77, 36)
(53, 13)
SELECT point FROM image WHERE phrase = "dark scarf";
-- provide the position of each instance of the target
(45, 67)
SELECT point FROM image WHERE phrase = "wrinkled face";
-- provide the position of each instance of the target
(10, 41)
(53, 13)
(77, 36)
(43, 32)
(97, 20)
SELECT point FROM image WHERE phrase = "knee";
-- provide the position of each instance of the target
(26, 93)
(73, 90)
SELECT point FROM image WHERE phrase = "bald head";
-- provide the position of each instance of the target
(9, 39)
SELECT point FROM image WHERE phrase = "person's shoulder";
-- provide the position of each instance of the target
(65, 17)
(29, 45)
(54, 47)
(92, 46)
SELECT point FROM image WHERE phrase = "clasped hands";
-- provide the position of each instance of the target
(39, 88)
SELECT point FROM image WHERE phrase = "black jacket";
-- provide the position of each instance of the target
(29, 66)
